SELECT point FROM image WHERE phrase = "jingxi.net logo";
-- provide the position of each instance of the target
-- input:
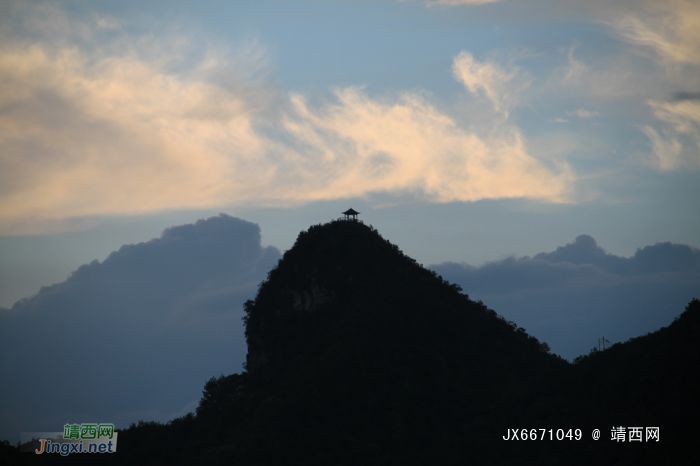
(76, 438)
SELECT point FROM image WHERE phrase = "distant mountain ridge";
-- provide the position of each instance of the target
(571, 296)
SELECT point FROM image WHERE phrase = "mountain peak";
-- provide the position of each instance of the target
(342, 289)
(331, 268)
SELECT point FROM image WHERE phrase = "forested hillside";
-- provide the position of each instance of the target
(359, 355)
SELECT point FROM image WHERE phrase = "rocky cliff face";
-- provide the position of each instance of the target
(311, 299)
(304, 298)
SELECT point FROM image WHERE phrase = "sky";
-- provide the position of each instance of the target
(543, 154)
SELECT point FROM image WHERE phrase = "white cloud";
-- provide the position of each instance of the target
(583, 113)
(667, 33)
(576, 69)
(558, 120)
(117, 136)
(670, 29)
(677, 144)
(363, 145)
(488, 78)
(671, 32)
(82, 135)
(616, 80)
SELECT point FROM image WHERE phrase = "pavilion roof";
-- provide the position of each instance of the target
(351, 211)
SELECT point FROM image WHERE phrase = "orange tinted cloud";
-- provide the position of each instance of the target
(671, 29)
(120, 135)
(370, 146)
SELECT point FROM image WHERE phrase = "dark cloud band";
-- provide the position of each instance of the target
(682, 95)
(135, 336)
(575, 294)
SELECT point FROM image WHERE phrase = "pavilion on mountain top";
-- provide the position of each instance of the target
(351, 214)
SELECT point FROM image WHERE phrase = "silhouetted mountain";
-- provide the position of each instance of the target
(359, 355)
(648, 381)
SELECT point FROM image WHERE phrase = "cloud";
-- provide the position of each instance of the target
(675, 135)
(458, 2)
(118, 130)
(364, 145)
(576, 68)
(108, 22)
(583, 113)
(579, 292)
(448, 3)
(683, 95)
(487, 77)
(671, 30)
(677, 144)
(617, 80)
(134, 336)
(558, 120)
(117, 136)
